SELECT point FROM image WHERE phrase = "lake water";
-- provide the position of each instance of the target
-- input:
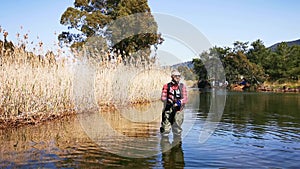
(221, 129)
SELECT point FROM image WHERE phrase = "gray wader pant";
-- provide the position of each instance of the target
(171, 118)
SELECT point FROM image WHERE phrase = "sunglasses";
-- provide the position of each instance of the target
(177, 76)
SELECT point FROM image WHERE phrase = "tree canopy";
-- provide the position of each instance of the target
(107, 19)
(256, 63)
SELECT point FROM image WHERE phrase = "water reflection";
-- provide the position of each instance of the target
(59, 144)
(212, 106)
(125, 132)
(272, 118)
(204, 104)
(256, 130)
(172, 153)
(260, 128)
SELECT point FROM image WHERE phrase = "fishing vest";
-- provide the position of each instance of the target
(176, 94)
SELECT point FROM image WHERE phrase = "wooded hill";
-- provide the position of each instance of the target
(289, 43)
(255, 62)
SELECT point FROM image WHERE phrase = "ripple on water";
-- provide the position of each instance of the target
(254, 132)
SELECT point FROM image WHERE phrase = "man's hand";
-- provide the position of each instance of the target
(170, 101)
(178, 103)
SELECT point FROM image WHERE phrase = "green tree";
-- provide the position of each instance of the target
(235, 63)
(240, 46)
(258, 53)
(283, 64)
(256, 64)
(199, 68)
(293, 63)
(90, 18)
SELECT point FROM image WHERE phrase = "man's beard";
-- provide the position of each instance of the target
(174, 81)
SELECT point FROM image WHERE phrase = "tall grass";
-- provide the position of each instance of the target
(28, 90)
(35, 88)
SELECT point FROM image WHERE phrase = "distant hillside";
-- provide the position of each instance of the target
(289, 43)
(188, 64)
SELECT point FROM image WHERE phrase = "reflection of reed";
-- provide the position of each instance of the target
(121, 135)
(133, 121)
(68, 137)
(149, 112)
(65, 139)
(33, 142)
(127, 127)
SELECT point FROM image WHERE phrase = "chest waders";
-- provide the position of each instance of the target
(169, 112)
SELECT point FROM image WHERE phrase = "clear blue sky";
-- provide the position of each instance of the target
(38, 17)
(222, 22)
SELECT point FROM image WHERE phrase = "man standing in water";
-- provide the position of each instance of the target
(174, 96)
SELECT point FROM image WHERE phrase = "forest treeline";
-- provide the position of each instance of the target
(255, 62)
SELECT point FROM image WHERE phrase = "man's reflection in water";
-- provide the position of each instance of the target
(172, 154)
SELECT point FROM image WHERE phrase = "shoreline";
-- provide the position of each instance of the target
(34, 119)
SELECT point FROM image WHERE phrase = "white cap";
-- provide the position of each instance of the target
(175, 72)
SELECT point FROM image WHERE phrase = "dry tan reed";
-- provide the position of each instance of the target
(36, 88)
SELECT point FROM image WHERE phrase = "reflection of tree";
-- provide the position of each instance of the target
(172, 154)
(254, 114)
(204, 103)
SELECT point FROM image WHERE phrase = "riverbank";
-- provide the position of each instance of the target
(31, 119)
(280, 87)
(265, 87)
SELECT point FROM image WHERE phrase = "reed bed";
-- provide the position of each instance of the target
(129, 85)
(29, 95)
(35, 88)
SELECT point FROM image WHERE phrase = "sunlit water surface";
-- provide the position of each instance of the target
(256, 130)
